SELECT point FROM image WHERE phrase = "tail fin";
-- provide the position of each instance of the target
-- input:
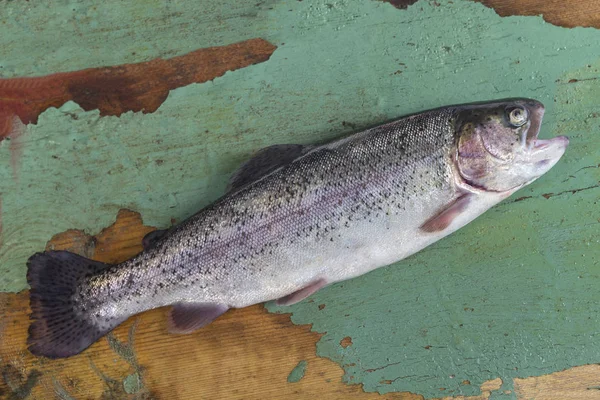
(61, 326)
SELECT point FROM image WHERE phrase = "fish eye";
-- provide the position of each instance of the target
(517, 116)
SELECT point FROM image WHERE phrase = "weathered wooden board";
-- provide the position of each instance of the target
(557, 12)
(512, 296)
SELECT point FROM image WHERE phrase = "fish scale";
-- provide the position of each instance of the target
(297, 218)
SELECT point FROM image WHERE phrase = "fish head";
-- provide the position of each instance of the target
(498, 149)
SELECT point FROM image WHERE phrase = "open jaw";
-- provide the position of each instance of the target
(545, 153)
(541, 144)
(536, 115)
(536, 111)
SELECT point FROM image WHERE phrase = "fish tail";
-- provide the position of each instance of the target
(61, 325)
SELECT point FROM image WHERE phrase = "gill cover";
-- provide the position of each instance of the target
(497, 145)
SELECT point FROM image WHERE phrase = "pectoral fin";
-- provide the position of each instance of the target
(301, 294)
(187, 317)
(264, 162)
(444, 218)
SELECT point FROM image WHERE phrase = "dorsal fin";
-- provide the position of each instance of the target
(153, 237)
(264, 162)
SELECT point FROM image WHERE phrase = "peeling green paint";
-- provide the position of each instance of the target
(132, 383)
(19, 384)
(298, 372)
(82, 34)
(513, 294)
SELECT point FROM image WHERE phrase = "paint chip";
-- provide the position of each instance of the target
(345, 342)
(78, 241)
(401, 4)
(132, 383)
(491, 385)
(578, 382)
(578, 13)
(298, 372)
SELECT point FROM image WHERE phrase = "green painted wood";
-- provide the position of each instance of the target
(513, 294)
(298, 372)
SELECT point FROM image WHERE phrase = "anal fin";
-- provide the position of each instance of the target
(444, 218)
(187, 317)
(301, 294)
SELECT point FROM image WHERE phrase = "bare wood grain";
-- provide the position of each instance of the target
(575, 383)
(558, 12)
(568, 14)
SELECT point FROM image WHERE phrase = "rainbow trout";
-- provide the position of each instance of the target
(297, 218)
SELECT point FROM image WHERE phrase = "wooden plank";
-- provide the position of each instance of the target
(558, 12)
(250, 353)
(579, 383)
(570, 14)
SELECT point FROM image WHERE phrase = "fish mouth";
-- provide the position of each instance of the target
(536, 112)
(543, 154)
(542, 144)
(527, 162)
(536, 115)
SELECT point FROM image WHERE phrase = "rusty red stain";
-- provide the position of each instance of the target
(17, 129)
(131, 87)
(522, 198)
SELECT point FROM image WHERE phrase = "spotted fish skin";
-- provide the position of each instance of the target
(337, 212)
(334, 212)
